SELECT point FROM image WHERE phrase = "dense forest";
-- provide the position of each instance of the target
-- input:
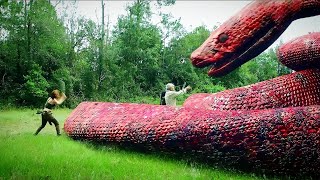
(90, 61)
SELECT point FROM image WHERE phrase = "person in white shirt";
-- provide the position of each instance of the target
(171, 94)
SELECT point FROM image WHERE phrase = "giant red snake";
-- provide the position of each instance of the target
(272, 125)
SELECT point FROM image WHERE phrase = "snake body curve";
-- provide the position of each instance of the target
(272, 125)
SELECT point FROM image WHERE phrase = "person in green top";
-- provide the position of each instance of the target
(56, 98)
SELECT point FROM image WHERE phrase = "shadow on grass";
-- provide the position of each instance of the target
(199, 160)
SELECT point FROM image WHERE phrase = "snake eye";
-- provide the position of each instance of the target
(223, 37)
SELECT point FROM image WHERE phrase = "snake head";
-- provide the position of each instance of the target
(235, 42)
(244, 36)
(230, 46)
(216, 52)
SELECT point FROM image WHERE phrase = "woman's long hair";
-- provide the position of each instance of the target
(55, 94)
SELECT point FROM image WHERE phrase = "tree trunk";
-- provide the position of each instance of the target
(101, 72)
(28, 25)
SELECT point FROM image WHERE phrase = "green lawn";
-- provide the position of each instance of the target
(47, 156)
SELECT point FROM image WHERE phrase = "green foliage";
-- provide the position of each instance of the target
(34, 92)
(138, 46)
(263, 67)
(166, 2)
(34, 48)
(40, 52)
(177, 66)
(209, 88)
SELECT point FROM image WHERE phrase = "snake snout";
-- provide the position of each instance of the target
(198, 60)
(203, 57)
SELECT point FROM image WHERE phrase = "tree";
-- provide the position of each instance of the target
(12, 49)
(35, 38)
(35, 87)
(178, 66)
(138, 46)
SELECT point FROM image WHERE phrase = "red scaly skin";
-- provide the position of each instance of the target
(277, 139)
(282, 140)
(301, 53)
(249, 32)
(293, 90)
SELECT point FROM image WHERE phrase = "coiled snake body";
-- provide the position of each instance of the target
(272, 125)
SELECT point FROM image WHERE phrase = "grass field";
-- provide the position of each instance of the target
(47, 156)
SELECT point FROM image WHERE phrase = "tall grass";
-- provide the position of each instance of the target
(47, 156)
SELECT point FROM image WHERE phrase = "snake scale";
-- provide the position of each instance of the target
(272, 125)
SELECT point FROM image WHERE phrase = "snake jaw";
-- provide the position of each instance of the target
(219, 68)
(209, 55)
(220, 62)
(217, 52)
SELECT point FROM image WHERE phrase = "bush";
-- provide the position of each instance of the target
(34, 89)
(209, 88)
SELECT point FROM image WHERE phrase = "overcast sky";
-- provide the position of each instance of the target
(195, 13)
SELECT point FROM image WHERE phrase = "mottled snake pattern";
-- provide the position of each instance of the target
(272, 125)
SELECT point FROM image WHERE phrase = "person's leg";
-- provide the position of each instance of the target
(56, 123)
(43, 124)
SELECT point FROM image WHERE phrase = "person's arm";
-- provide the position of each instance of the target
(184, 90)
(174, 94)
(188, 88)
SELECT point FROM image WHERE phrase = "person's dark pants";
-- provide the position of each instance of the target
(47, 117)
